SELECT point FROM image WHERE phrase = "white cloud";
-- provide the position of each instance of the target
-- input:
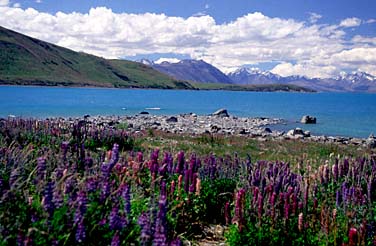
(317, 50)
(38, 1)
(350, 22)
(17, 5)
(4, 3)
(207, 6)
(370, 21)
(314, 17)
(309, 70)
(170, 60)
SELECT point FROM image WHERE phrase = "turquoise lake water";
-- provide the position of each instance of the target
(338, 114)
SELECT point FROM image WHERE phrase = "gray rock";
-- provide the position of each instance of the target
(221, 113)
(295, 132)
(371, 141)
(268, 130)
(172, 119)
(306, 119)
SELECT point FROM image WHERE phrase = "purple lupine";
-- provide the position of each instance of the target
(154, 165)
(47, 198)
(144, 222)
(57, 198)
(140, 157)
(260, 202)
(180, 164)
(64, 148)
(115, 221)
(41, 168)
(80, 231)
(105, 190)
(116, 239)
(160, 234)
(176, 242)
(126, 195)
(338, 198)
(91, 184)
(14, 175)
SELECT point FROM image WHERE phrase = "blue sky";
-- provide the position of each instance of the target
(316, 38)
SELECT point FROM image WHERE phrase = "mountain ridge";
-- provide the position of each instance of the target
(29, 61)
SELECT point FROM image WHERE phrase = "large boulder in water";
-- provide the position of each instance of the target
(306, 119)
(221, 113)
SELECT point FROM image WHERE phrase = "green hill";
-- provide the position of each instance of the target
(28, 61)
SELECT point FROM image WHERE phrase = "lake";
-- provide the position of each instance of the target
(338, 114)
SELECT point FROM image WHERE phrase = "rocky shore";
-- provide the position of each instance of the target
(219, 123)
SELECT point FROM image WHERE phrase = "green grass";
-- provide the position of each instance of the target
(292, 151)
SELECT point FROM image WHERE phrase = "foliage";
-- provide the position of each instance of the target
(78, 183)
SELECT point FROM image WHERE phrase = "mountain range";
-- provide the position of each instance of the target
(191, 70)
(349, 82)
(28, 61)
(201, 71)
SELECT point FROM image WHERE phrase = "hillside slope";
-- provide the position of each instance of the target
(28, 61)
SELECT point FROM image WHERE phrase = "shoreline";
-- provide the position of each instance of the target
(259, 128)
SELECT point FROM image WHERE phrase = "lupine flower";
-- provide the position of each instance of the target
(115, 239)
(115, 221)
(47, 198)
(57, 198)
(260, 201)
(180, 164)
(41, 168)
(144, 222)
(353, 236)
(127, 199)
(300, 222)
(176, 242)
(160, 234)
(198, 186)
(80, 231)
(106, 189)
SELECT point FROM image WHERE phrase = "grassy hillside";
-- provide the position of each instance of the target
(25, 60)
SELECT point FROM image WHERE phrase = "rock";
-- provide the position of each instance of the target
(221, 113)
(268, 130)
(307, 134)
(371, 141)
(172, 119)
(295, 132)
(306, 119)
(144, 112)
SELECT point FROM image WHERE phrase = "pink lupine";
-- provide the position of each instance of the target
(300, 222)
(353, 236)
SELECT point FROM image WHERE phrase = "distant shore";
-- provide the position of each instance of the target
(192, 124)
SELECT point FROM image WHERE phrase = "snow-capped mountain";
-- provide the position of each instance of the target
(356, 81)
(253, 76)
(200, 71)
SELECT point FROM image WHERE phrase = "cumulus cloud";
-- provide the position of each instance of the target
(314, 17)
(350, 22)
(4, 3)
(17, 5)
(317, 50)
